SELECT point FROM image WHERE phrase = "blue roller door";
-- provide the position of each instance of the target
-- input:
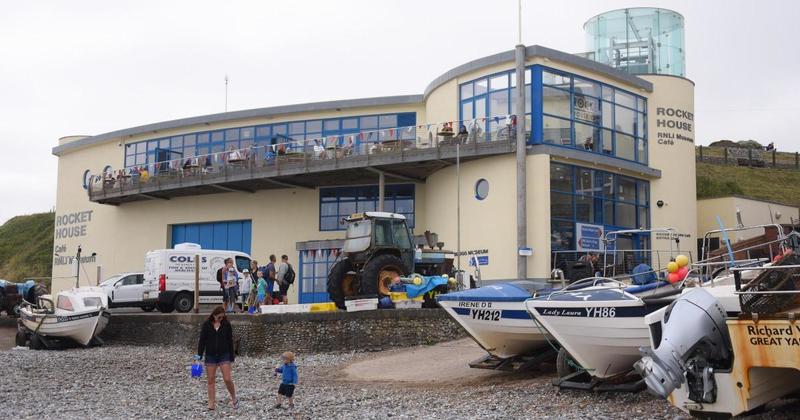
(230, 236)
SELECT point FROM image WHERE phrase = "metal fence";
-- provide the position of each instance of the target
(616, 263)
(749, 157)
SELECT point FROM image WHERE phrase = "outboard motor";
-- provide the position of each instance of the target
(694, 343)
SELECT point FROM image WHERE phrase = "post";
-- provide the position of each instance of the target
(773, 158)
(522, 215)
(749, 157)
(701, 153)
(458, 206)
(381, 190)
(725, 155)
(99, 274)
(196, 283)
(797, 160)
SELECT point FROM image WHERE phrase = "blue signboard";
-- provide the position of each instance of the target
(482, 260)
(589, 237)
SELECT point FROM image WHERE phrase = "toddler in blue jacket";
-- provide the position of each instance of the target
(289, 372)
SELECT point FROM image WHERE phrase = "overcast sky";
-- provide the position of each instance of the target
(88, 67)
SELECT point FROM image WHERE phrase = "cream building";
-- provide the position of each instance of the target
(751, 211)
(606, 150)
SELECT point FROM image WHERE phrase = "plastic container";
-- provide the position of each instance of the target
(408, 304)
(401, 296)
(357, 305)
(323, 307)
(196, 369)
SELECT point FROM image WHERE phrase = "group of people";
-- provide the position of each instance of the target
(217, 348)
(258, 285)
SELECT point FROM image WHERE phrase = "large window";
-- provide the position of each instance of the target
(485, 102)
(207, 142)
(596, 117)
(583, 195)
(340, 202)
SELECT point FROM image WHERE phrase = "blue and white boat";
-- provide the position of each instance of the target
(496, 318)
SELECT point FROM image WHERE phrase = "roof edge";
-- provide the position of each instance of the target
(238, 115)
(544, 52)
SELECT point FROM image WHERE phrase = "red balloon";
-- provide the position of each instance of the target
(682, 272)
(673, 277)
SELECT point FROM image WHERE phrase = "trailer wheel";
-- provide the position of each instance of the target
(341, 284)
(565, 364)
(184, 302)
(379, 273)
(21, 339)
(15, 310)
(165, 308)
(36, 342)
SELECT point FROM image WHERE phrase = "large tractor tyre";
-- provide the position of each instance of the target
(341, 284)
(183, 303)
(379, 273)
(165, 308)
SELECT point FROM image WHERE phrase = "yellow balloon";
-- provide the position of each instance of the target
(672, 267)
(682, 260)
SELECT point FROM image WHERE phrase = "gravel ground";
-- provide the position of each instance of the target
(154, 382)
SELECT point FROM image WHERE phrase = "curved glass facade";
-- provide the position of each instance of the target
(638, 40)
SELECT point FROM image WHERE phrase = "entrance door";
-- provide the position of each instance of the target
(313, 275)
(224, 236)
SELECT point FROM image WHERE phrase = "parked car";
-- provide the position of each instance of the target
(170, 276)
(125, 291)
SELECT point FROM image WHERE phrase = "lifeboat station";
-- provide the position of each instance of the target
(516, 161)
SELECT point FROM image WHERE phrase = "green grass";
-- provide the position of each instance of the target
(779, 185)
(26, 246)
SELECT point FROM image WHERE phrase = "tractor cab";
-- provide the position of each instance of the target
(378, 249)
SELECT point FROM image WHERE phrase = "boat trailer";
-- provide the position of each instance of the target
(520, 363)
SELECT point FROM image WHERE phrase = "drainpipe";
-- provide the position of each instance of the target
(381, 187)
(522, 219)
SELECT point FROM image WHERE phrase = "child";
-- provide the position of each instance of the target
(289, 373)
(244, 288)
(261, 285)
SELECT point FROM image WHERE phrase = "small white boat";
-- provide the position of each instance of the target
(600, 321)
(78, 314)
(495, 317)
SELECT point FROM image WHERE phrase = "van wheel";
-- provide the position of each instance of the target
(165, 308)
(184, 302)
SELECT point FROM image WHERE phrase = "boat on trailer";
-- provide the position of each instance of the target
(496, 318)
(77, 315)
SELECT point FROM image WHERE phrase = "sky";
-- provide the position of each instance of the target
(89, 67)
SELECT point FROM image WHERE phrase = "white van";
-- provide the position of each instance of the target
(169, 276)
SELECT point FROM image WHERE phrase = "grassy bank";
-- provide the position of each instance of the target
(760, 183)
(26, 246)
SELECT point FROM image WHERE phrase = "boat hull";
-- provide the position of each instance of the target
(78, 327)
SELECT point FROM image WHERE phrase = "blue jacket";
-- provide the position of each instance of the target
(289, 372)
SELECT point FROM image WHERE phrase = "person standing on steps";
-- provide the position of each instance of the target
(216, 345)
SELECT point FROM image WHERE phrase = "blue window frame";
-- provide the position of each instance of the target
(489, 99)
(586, 114)
(584, 195)
(149, 152)
(229, 235)
(339, 202)
(313, 275)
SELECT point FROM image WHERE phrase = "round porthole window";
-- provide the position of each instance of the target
(481, 189)
(86, 175)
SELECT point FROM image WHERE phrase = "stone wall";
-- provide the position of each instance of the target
(306, 333)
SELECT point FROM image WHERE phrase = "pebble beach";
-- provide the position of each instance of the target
(115, 382)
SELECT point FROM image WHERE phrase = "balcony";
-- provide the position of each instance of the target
(401, 154)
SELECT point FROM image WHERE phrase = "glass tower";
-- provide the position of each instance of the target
(639, 40)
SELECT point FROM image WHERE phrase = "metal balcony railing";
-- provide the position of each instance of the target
(289, 156)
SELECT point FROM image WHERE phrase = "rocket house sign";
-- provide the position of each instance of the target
(674, 124)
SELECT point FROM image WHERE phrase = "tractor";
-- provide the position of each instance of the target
(378, 249)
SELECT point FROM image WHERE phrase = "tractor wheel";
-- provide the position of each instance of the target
(341, 284)
(379, 273)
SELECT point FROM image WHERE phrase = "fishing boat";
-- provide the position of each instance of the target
(78, 315)
(495, 317)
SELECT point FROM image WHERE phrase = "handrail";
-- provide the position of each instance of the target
(334, 147)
